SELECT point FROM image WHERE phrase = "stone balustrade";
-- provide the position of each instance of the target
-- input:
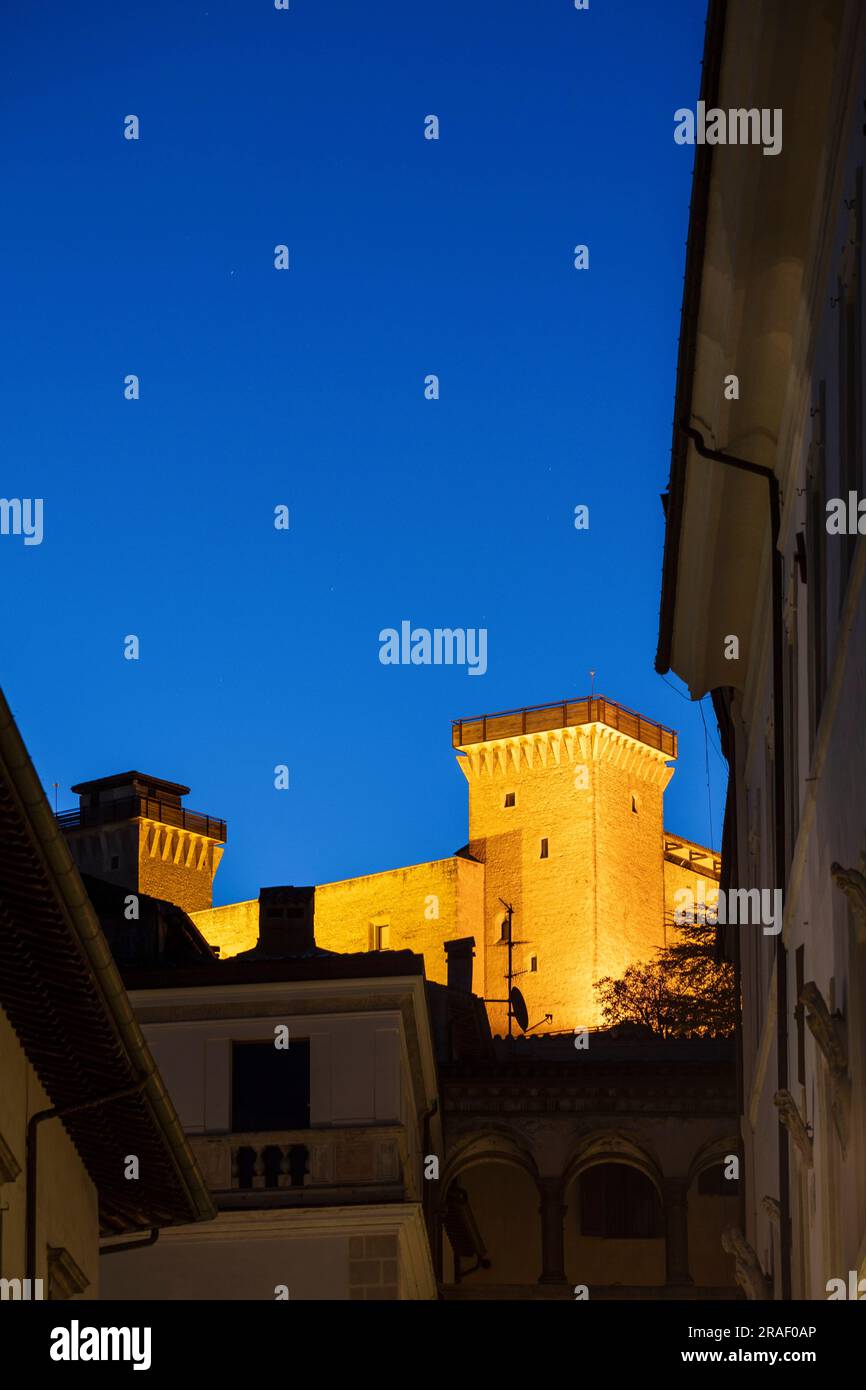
(285, 1160)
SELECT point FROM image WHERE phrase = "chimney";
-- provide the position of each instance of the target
(286, 921)
(459, 954)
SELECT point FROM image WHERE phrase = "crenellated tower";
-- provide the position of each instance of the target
(566, 814)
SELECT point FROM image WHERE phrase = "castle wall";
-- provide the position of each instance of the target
(423, 906)
(698, 880)
(602, 899)
(234, 927)
(177, 864)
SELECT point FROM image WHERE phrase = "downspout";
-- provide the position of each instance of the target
(32, 1161)
(151, 1239)
(719, 456)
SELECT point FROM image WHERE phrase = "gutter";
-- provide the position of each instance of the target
(50, 845)
(130, 1244)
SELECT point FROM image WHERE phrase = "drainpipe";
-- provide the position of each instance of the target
(719, 456)
(31, 1160)
(151, 1239)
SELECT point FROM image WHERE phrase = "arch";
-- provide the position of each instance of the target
(611, 1260)
(492, 1180)
(496, 1144)
(714, 1151)
(612, 1146)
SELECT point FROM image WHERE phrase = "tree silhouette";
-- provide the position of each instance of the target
(684, 993)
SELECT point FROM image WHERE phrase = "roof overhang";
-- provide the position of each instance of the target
(64, 997)
(753, 223)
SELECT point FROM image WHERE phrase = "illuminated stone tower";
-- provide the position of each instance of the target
(565, 812)
(565, 825)
(133, 831)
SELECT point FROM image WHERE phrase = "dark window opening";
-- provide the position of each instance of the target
(544, 854)
(246, 1161)
(381, 936)
(270, 1086)
(619, 1203)
(509, 798)
(298, 1165)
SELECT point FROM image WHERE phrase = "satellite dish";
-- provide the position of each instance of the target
(518, 1009)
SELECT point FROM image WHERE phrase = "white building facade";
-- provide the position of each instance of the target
(764, 606)
(305, 1090)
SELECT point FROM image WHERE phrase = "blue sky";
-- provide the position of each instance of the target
(305, 388)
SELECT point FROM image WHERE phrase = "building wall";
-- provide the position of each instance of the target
(697, 881)
(356, 1073)
(512, 1156)
(147, 856)
(591, 1260)
(109, 852)
(356, 1231)
(343, 1254)
(710, 1266)
(233, 928)
(830, 1197)
(245, 1269)
(824, 608)
(424, 906)
(67, 1200)
(177, 865)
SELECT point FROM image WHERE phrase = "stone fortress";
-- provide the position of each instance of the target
(566, 826)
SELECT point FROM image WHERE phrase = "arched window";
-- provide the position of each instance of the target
(619, 1203)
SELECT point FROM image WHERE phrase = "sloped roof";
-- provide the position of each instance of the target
(64, 997)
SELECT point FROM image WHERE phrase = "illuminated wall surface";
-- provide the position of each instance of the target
(566, 826)
(67, 1251)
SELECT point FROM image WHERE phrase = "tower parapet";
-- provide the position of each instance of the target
(565, 714)
(132, 830)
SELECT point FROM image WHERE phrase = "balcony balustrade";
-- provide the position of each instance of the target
(305, 1163)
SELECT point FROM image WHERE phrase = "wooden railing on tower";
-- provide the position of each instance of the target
(533, 719)
(146, 807)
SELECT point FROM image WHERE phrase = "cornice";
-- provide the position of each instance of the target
(566, 747)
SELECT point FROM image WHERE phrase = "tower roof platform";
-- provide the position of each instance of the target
(565, 714)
